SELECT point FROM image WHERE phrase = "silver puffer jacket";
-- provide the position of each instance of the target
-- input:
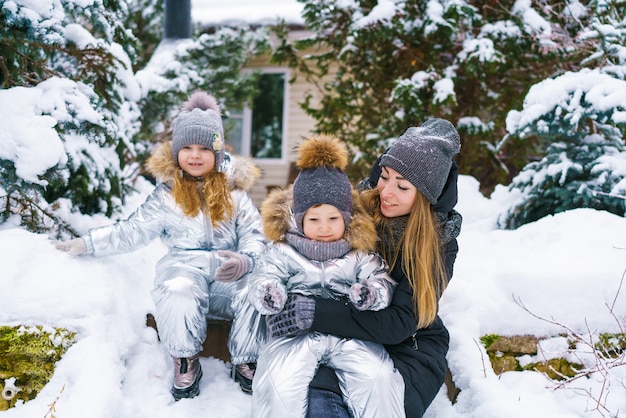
(283, 266)
(185, 293)
(369, 381)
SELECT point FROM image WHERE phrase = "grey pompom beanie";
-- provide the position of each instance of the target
(423, 156)
(199, 122)
(322, 180)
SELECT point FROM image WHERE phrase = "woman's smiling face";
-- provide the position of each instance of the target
(397, 194)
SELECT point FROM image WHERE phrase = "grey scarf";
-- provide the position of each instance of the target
(390, 233)
(317, 250)
(448, 223)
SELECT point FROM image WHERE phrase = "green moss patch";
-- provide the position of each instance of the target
(29, 355)
(611, 345)
(556, 368)
(504, 353)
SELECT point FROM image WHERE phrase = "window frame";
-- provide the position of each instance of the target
(246, 124)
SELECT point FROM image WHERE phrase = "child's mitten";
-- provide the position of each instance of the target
(272, 297)
(73, 247)
(296, 318)
(362, 295)
(235, 266)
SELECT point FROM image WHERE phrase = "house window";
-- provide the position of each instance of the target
(258, 132)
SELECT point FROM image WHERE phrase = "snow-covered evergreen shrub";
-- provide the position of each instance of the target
(582, 127)
(82, 82)
(579, 120)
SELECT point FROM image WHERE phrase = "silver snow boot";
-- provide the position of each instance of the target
(187, 374)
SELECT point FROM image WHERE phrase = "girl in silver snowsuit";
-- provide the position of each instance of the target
(214, 236)
(345, 268)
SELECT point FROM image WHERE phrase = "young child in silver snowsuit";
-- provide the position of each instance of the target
(201, 211)
(323, 244)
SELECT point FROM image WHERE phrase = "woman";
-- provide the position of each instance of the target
(412, 204)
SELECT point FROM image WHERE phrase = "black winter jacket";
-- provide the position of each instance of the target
(423, 368)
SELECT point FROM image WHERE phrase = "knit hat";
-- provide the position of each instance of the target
(322, 160)
(423, 156)
(199, 122)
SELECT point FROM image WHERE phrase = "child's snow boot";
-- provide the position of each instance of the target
(243, 374)
(187, 376)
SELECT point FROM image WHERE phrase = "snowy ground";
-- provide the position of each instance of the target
(566, 267)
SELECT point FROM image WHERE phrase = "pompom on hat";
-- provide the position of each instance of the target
(423, 155)
(322, 160)
(199, 122)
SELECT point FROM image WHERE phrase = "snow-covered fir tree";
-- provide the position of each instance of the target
(81, 85)
(579, 118)
(394, 64)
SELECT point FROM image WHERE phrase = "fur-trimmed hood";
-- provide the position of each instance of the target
(242, 173)
(277, 216)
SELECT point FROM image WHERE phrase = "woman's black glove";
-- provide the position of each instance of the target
(296, 318)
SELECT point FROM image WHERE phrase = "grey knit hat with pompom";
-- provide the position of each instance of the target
(199, 122)
(322, 160)
(423, 156)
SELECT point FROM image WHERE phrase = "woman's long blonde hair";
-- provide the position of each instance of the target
(421, 253)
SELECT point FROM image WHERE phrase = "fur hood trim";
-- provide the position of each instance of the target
(278, 219)
(242, 173)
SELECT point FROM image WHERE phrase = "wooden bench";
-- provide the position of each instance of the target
(216, 341)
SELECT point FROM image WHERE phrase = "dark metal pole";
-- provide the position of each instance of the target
(177, 19)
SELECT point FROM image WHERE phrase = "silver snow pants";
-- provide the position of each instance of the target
(185, 297)
(371, 385)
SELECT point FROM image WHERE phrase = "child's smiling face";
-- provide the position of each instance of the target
(323, 223)
(196, 160)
